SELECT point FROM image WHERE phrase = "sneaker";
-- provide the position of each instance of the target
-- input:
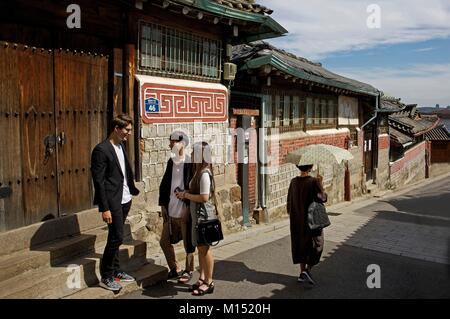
(173, 274)
(302, 278)
(309, 278)
(110, 284)
(123, 277)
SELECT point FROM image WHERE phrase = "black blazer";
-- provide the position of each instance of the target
(108, 177)
(166, 182)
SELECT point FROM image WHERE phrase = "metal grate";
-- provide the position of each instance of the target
(170, 51)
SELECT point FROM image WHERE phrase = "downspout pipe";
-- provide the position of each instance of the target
(377, 109)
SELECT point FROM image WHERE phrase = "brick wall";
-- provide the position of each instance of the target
(409, 168)
(279, 181)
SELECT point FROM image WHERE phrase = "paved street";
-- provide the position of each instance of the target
(407, 234)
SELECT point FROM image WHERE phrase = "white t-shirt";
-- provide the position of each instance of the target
(205, 184)
(126, 196)
(175, 204)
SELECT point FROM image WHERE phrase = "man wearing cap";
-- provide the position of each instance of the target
(175, 212)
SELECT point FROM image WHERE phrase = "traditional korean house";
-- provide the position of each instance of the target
(66, 68)
(439, 137)
(298, 102)
(409, 149)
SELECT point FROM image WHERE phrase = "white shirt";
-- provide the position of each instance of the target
(205, 184)
(175, 204)
(126, 196)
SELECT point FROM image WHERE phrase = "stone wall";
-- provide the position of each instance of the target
(410, 168)
(145, 217)
(382, 175)
(278, 182)
(439, 169)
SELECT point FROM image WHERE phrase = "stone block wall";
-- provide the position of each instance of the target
(278, 182)
(382, 177)
(145, 217)
(410, 168)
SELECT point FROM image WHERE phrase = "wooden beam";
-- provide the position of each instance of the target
(130, 106)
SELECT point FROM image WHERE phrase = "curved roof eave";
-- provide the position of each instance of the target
(281, 66)
(263, 20)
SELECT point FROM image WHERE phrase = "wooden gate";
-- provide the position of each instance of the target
(80, 104)
(52, 113)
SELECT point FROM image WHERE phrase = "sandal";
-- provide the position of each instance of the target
(185, 277)
(201, 292)
(196, 285)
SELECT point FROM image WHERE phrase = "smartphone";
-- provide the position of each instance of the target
(177, 190)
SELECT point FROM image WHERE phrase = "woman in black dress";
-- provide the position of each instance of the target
(307, 245)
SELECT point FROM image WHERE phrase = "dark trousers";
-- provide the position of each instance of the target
(109, 264)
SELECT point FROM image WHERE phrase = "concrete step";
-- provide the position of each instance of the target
(147, 275)
(35, 235)
(51, 281)
(53, 253)
(50, 254)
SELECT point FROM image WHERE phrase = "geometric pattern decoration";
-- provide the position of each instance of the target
(182, 101)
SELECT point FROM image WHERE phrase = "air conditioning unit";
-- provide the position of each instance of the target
(229, 71)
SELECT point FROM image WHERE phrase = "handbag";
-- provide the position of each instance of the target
(317, 216)
(209, 227)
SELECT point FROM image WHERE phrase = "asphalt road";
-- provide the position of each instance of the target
(413, 224)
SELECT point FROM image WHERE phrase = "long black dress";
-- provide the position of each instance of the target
(307, 246)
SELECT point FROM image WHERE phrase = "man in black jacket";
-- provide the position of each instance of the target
(114, 187)
(176, 214)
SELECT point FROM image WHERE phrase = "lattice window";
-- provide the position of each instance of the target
(165, 50)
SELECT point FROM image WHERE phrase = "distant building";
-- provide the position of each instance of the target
(437, 106)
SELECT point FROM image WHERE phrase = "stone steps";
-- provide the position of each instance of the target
(50, 254)
(51, 281)
(147, 275)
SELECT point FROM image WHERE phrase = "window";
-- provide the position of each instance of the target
(331, 112)
(309, 110)
(276, 111)
(323, 105)
(295, 110)
(287, 110)
(268, 99)
(169, 51)
(317, 111)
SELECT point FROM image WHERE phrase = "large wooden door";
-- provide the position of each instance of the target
(52, 113)
(27, 126)
(80, 103)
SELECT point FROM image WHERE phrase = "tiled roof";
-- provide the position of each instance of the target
(391, 104)
(439, 133)
(410, 122)
(245, 5)
(297, 66)
(399, 137)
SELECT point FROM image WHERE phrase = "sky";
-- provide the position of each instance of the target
(402, 47)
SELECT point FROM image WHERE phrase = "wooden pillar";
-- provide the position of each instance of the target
(129, 103)
(118, 81)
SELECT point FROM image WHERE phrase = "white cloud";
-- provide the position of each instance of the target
(426, 85)
(423, 49)
(319, 28)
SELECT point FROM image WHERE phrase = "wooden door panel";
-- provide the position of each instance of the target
(26, 118)
(11, 208)
(38, 123)
(80, 101)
